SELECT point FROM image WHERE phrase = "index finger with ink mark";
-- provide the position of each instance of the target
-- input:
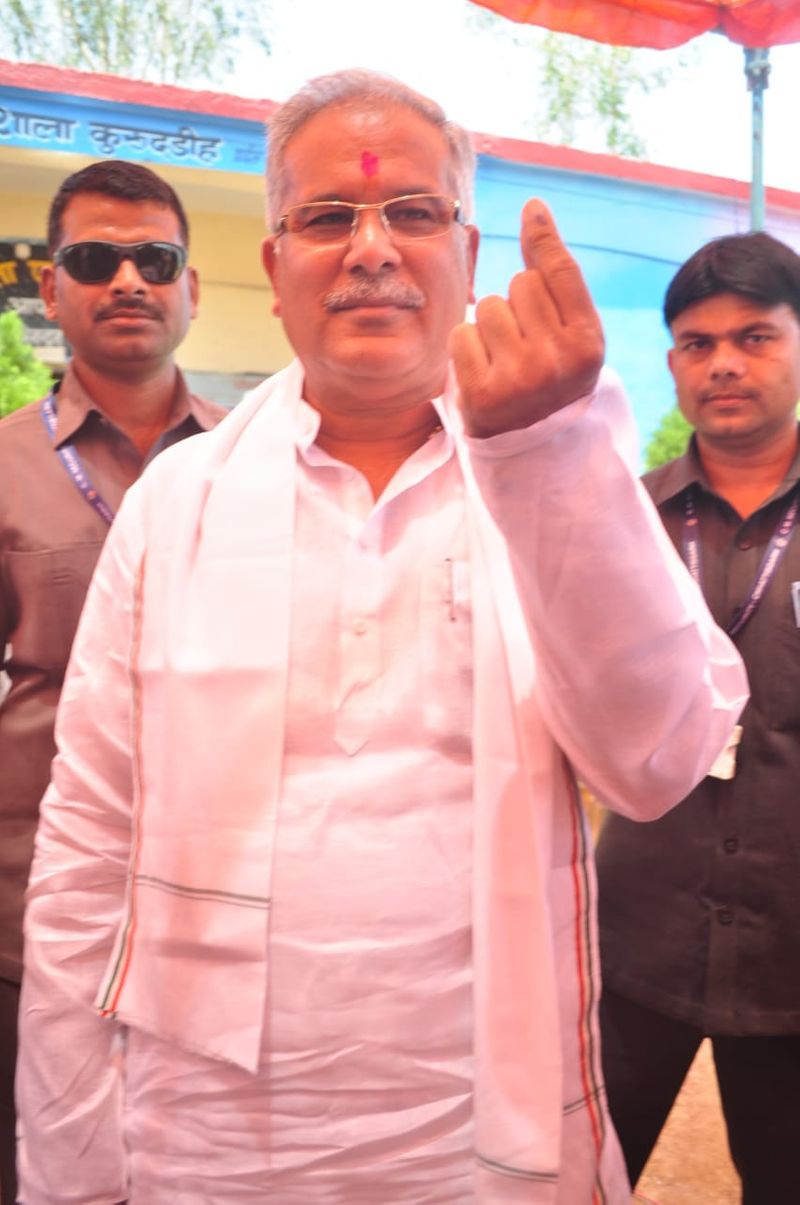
(545, 253)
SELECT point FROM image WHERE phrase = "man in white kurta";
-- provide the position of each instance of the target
(311, 917)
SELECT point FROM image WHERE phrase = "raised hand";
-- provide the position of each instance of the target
(535, 352)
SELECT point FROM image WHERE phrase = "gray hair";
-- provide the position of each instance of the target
(351, 88)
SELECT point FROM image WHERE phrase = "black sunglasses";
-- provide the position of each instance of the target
(93, 262)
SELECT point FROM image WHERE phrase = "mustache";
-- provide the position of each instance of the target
(375, 292)
(126, 306)
(720, 394)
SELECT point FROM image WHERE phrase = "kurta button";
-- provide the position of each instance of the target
(360, 626)
(725, 916)
(743, 543)
(731, 844)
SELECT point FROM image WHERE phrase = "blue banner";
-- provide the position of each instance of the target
(49, 121)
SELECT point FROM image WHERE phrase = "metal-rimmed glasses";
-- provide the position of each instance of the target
(95, 261)
(405, 219)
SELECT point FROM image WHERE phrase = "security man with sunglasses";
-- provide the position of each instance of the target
(310, 917)
(120, 289)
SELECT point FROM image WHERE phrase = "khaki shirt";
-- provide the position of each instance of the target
(50, 539)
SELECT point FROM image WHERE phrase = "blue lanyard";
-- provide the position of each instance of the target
(766, 570)
(72, 462)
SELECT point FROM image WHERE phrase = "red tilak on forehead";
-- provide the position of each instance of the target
(369, 163)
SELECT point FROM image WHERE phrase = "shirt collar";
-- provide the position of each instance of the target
(306, 421)
(75, 407)
(676, 476)
(687, 470)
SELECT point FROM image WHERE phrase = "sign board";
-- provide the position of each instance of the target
(113, 129)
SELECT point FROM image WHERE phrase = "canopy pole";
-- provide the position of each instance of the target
(756, 69)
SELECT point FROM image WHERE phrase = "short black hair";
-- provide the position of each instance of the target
(756, 266)
(113, 178)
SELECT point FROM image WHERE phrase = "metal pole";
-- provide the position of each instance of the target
(756, 69)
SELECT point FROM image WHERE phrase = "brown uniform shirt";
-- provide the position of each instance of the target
(50, 539)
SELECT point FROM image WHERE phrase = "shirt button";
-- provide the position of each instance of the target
(360, 627)
(725, 916)
(730, 845)
(743, 543)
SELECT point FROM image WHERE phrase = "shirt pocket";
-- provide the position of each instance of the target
(446, 650)
(48, 588)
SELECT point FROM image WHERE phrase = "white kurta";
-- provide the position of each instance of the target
(371, 1091)
(364, 1091)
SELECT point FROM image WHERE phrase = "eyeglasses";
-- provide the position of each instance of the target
(405, 219)
(93, 262)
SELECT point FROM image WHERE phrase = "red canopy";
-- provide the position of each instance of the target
(659, 23)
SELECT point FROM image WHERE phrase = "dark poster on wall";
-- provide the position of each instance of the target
(21, 263)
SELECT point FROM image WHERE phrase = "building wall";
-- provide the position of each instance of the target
(235, 330)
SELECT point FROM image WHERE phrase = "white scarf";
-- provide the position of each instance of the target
(209, 666)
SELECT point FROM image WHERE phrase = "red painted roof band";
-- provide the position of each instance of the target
(566, 158)
(66, 81)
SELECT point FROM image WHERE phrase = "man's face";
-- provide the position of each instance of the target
(737, 370)
(124, 325)
(392, 347)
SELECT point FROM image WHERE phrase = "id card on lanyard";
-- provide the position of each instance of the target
(725, 765)
(72, 462)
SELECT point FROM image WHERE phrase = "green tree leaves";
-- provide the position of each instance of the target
(23, 378)
(586, 80)
(578, 85)
(668, 440)
(164, 41)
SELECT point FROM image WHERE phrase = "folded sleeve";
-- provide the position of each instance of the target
(70, 1062)
(638, 685)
